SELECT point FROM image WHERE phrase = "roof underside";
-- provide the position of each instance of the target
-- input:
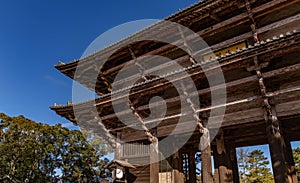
(214, 21)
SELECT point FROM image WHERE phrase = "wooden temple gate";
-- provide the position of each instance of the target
(257, 45)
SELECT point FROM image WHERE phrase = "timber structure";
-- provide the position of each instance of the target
(257, 45)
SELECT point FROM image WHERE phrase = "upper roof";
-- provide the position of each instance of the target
(202, 6)
(186, 17)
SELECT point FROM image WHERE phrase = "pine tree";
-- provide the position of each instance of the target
(296, 154)
(257, 168)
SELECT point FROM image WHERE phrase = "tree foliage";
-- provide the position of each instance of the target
(296, 154)
(253, 167)
(257, 169)
(34, 152)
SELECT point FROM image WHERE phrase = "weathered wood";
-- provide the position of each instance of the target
(249, 34)
(206, 165)
(154, 164)
(275, 138)
(292, 172)
(277, 156)
(222, 160)
(233, 159)
(192, 168)
(177, 170)
(236, 83)
(227, 24)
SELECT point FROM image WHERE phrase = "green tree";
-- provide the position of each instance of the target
(34, 152)
(257, 168)
(296, 154)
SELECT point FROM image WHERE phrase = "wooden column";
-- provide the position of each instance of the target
(292, 174)
(276, 146)
(207, 175)
(274, 134)
(192, 168)
(216, 168)
(233, 160)
(118, 151)
(154, 166)
(205, 148)
(177, 168)
(222, 161)
(276, 143)
(118, 148)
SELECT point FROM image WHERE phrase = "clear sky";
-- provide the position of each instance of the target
(35, 35)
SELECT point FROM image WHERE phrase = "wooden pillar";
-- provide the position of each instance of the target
(154, 166)
(276, 147)
(205, 148)
(118, 148)
(192, 168)
(216, 163)
(118, 151)
(233, 160)
(278, 158)
(177, 169)
(274, 136)
(223, 162)
(292, 174)
(207, 175)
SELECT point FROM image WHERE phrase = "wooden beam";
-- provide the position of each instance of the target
(229, 85)
(164, 86)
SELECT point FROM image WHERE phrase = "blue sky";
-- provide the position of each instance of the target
(35, 35)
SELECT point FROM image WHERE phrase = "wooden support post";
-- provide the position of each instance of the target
(207, 175)
(118, 149)
(233, 159)
(276, 146)
(223, 161)
(216, 163)
(177, 168)
(154, 164)
(274, 134)
(192, 168)
(292, 174)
